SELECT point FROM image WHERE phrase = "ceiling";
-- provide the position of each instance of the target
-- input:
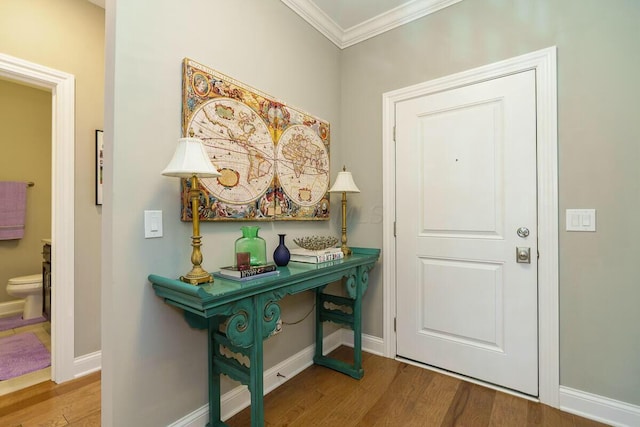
(347, 22)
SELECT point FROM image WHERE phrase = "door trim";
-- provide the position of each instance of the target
(62, 87)
(544, 64)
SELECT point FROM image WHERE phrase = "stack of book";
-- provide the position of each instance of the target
(247, 273)
(315, 257)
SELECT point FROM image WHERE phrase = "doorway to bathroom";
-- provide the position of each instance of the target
(61, 86)
(25, 226)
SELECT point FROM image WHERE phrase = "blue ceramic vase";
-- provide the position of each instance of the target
(281, 255)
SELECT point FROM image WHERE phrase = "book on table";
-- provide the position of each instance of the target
(242, 272)
(221, 275)
(315, 257)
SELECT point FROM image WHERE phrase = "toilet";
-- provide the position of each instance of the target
(28, 288)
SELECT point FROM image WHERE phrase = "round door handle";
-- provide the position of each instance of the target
(523, 255)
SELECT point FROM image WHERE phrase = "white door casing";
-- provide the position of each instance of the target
(62, 87)
(463, 302)
(544, 64)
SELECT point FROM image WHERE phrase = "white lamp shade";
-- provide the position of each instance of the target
(344, 184)
(190, 159)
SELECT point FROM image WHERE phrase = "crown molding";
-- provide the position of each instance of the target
(319, 20)
(343, 38)
(394, 18)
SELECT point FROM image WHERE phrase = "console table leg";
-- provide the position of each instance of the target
(357, 329)
(353, 321)
(319, 332)
(256, 380)
(214, 379)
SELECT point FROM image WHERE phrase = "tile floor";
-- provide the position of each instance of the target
(43, 332)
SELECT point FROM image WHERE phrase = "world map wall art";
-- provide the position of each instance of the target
(273, 159)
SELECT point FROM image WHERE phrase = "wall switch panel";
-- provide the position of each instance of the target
(581, 220)
(152, 224)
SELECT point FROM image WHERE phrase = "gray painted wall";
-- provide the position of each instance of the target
(598, 59)
(154, 366)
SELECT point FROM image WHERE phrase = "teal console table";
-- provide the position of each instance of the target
(240, 315)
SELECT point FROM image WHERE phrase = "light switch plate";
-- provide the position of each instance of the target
(581, 220)
(152, 224)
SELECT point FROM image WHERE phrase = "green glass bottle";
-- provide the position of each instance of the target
(253, 244)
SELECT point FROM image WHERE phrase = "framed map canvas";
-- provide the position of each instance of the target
(274, 159)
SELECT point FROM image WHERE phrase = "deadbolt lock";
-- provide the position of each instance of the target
(523, 255)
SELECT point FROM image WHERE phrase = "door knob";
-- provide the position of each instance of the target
(523, 231)
(523, 255)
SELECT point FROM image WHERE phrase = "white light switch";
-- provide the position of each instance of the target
(581, 220)
(152, 224)
(575, 221)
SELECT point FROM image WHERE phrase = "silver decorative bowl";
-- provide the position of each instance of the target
(316, 243)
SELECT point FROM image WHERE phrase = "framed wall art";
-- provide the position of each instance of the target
(273, 158)
(99, 165)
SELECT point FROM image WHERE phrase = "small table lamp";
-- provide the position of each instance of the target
(190, 161)
(344, 184)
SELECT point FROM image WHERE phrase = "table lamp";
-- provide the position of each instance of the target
(344, 184)
(190, 161)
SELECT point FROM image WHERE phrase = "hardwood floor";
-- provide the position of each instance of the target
(391, 393)
(396, 394)
(75, 403)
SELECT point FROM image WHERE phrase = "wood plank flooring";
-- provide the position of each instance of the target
(391, 393)
(396, 394)
(75, 403)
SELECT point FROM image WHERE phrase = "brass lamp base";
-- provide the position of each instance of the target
(197, 276)
(345, 250)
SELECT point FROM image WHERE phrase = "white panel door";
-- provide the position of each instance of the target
(466, 182)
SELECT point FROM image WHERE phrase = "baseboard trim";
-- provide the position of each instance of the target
(370, 344)
(11, 307)
(598, 408)
(87, 364)
(197, 418)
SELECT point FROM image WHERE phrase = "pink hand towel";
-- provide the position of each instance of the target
(13, 206)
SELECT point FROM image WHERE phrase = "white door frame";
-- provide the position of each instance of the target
(544, 64)
(62, 87)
